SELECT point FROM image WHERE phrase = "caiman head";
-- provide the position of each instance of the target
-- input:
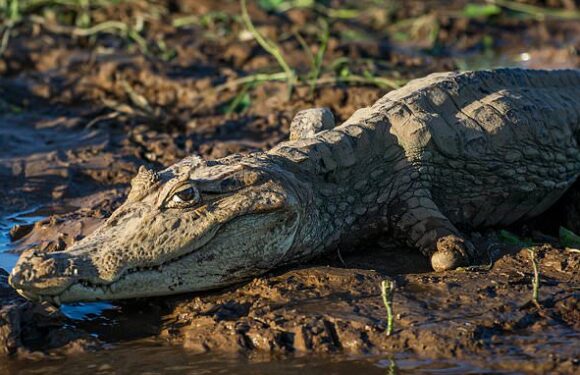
(194, 226)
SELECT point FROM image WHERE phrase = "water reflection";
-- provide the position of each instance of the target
(84, 311)
(147, 357)
(28, 217)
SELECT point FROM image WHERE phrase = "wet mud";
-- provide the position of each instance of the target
(79, 115)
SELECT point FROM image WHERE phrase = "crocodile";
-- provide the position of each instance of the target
(425, 164)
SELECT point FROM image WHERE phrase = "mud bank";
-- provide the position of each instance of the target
(79, 114)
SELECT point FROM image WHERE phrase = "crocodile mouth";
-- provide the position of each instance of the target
(103, 290)
(108, 290)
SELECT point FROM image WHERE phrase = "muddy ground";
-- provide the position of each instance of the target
(81, 109)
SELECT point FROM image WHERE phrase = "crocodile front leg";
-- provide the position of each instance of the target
(425, 227)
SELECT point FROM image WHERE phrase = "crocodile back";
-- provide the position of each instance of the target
(484, 112)
(492, 146)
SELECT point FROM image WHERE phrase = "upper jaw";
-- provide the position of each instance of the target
(79, 285)
(35, 273)
(38, 293)
(40, 289)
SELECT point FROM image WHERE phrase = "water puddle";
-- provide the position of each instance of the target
(84, 311)
(7, 257)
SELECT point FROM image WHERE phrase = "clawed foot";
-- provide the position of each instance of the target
(452, 252)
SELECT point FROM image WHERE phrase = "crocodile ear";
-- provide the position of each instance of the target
(308, 122)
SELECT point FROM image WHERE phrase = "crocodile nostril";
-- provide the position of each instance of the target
(15, 279)
(113, 220)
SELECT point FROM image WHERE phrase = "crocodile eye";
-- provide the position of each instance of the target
(185, 197)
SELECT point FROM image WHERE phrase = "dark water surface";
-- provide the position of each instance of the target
(148, 358)
(8, 259)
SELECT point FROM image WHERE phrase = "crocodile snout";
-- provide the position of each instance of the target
(45, 274)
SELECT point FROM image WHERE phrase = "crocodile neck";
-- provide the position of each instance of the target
(347, 180)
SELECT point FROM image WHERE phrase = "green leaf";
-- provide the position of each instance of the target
(512, 239)
(239, 104)
(487, 42)
(344, 72)
(284, 5)
(399, 36)
(569, 238)
(509, 237)
(481, 10)
(270, 5)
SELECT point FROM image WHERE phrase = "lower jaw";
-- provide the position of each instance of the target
(55, 300)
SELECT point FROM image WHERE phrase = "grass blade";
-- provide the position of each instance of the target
(269, 46)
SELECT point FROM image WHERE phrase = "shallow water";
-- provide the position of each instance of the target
(148, 358)
(7, 258)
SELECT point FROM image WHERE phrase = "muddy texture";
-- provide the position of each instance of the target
(79, 114)
(483, 316)
(27, 327)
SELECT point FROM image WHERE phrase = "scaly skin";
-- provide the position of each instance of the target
(445, 154)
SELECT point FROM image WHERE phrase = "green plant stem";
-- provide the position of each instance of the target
(387, 289)
(538, 12)
(5, 39)
(392, 369)
(185, 21)
(319, 58)
(375, 81)
(113, 27)
(84, 17)
(536, 280)
(14, 11)
(269, 46)
(238, 99)
(252, 79)
(281, 76)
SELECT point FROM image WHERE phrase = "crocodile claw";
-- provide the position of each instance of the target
(452, 252)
